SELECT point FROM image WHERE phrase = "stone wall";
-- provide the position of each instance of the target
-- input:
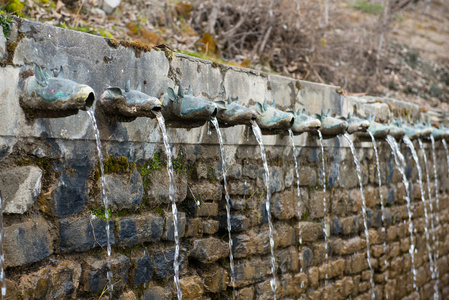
(55, 236)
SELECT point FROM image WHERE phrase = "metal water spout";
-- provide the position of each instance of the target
(396, 131)
(331, 126)
(48, 94)
(425, 130)
(411, 131)
(440, 133)
(378, 130)
(128, 104)
(185, 110)
(356, 124)
(232, 113)
(272, 120)
(304, 123)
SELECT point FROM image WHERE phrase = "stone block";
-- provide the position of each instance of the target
(340, 202)
(163, 263)
(205, 191)
(245, 293)
(52, 282)
(194, 227)
(215, 278)
(352, 245)
(309, 231)
(143, 270)
(210, 226)
(84, 233)
(27, 242)
(284, 205)
(128, 295)
(207, 209)
(169, 232)
(238, 223)
(69, 195)
(192, 287)
(94, 275)
(314, 276)
(209, 250)
(306, 258)
(19, 188)
(2, 45)
(159, 185)
(139, 229)
(250, 271)
(332, 269)
(155, 292)
(124, 191)
(288, 260)
(318, 199)
(355, 200)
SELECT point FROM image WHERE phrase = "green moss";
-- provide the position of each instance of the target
(366, 7)
(100, 212)
(89, 29)
(305, 217)
(211, 174)
(14, 6)
(118, 165)
(146, 170)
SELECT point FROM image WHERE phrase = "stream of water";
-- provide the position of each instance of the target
(365, 223)
(290, 134)
(426, 213)
(432, 214)
(325, 225)
(382, 205)
(104, 197)
(258, 135)
(400, 165)
(172, 193)
(437, 220)
(228, 203)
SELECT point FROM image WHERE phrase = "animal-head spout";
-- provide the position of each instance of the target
(48, 94)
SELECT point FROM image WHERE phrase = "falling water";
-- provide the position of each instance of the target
(447, 152)
(290, 133)
(382, 206)
(365, 223)
(258, 135)
(400, 164)
(171, 194)
(437, 219)
(326, 231)
(228, 203)
(2, 255)
(432, 213)
(426, 229)
(91, 114)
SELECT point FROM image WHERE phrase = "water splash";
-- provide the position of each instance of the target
(104, 197)
(365, 223)
(325, 225)
(258, 135)
(423, 199)
(437, 220)
(171, 194)
(228, 204)
(290, 133)
(382, 205)
(400, 165)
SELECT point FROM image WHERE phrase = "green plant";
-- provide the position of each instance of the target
(5, 22)
(366, 7)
